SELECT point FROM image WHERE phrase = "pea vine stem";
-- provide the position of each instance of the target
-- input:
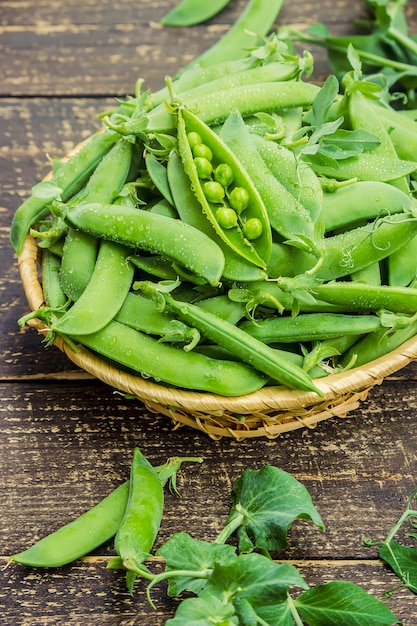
(294, 612)
(232, 525)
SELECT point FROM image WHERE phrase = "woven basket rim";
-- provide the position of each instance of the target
(265, 399)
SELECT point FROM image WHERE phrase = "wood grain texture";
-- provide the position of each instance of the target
(66, 440)
(88, 48)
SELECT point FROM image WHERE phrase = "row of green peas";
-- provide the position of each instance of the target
(219, 188)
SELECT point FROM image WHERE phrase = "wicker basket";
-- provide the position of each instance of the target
(265, 413)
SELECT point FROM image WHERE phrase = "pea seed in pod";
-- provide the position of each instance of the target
(213, 191)
(201, 150)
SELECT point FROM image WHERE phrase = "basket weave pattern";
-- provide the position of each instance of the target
(265, 413)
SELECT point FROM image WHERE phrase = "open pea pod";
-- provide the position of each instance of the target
(242, 224)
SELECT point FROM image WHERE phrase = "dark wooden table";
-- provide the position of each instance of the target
(65, 439)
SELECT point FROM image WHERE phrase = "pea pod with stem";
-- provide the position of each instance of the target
(353, 296)
(257, 17)
(351, 250)
(379, 343)
(93, 527)
(155, 233)
(310, 327)
(278, 71)
(213, 108)
(256, 251)
(142, 314)
(142, 517)
(67, 178)
(355, 249)
(229, 336)
(171, 365)
(294, 174)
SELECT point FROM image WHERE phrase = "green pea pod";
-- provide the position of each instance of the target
(277, 71)
(377, 344)
(104, 294)
(80, 250)
(310, 327)
(364, 116)
(402, 130)
(79, 537)
(235, 266)
(51, 283)
(158, 173)
(142, 314)
(142, 518)
(355, 249)
(362, 200)
(69, 177)
(371, 274)
(155, 233)
(258, 17)
(165, 363)
(362, 297)
(79, 259)
(190, 12)
(227, 335)
(257, 251)
(402, 265)
(286, 215)
(294, 174)
(92, 528)
(213, 108)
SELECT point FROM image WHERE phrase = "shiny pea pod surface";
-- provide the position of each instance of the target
(152, 232)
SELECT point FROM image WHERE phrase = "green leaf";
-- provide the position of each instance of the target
(206, 610)
(342, 603)
(254, 578)
(277, 615)
(353, 141)
(403, 561)
(269, 500)
(184, 553)
(47, 190)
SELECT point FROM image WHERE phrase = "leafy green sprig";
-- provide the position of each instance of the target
(240, 585)
(387, 51)
(401, 559)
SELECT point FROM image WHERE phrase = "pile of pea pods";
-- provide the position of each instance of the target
(240, 227)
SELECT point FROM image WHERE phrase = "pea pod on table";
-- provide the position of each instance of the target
(93, 527)
(206, 159)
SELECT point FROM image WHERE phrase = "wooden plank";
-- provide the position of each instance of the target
(88, 593)
(89, 48)
(69, 445)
